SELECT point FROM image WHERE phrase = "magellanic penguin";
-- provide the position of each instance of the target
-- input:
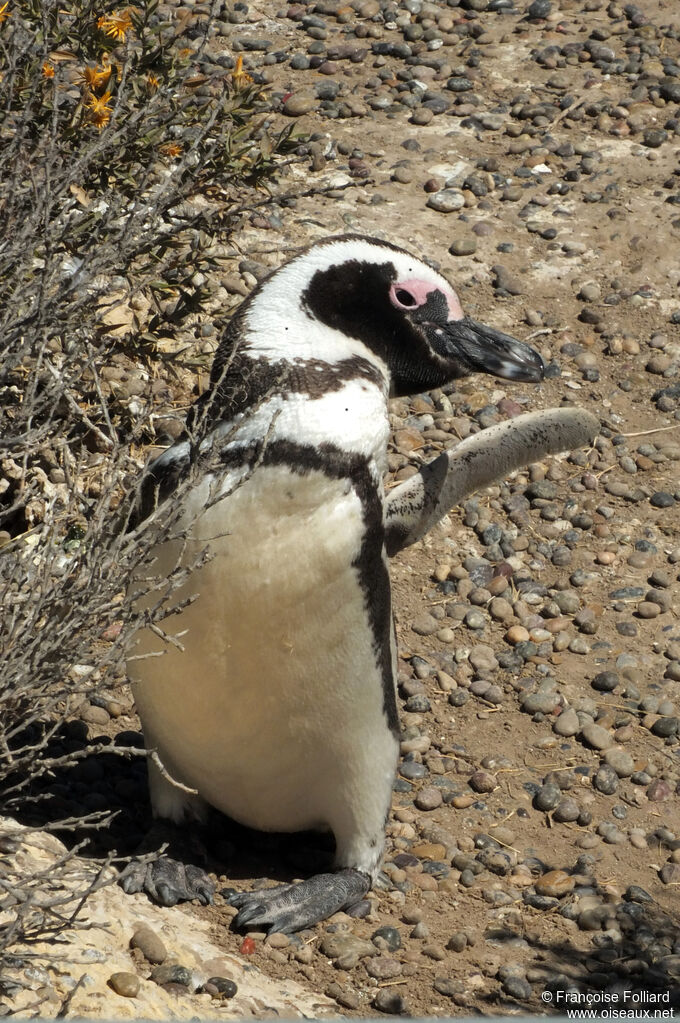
(276, 701)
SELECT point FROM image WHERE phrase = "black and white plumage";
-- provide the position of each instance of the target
(277, 705)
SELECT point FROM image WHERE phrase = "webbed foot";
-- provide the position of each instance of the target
(292, 907)
(167, 881)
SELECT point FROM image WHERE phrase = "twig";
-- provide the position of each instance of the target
(646, 433)
(153, 756)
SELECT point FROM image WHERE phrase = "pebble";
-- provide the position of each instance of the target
(299, 103)
(620, 761)
(555, 883)
(448, 200)
(125, 984)
(517, 634)
(383, 968)
(659, 790)
(547, 797)
(343, 995)
(567, 810)
(220, 987)
(149, 944)
(463, 247)
(390, 1002)
(457, 942)
(605, 681)
(507, 281)
(345, 946)
(596, 736)
(606, 780)
(518, 987)
(567, 724)
(670, 873)
(172, 974)
(429, 798)
(387, 937)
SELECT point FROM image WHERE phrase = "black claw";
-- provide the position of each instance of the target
(290, 908)
(198, 885)
(130, 885)
(167, 882)
(166, 895)
(249, 913)
(238, 899)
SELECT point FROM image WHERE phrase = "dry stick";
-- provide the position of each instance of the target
(66, 1003)
(646, 433)
(153, 756)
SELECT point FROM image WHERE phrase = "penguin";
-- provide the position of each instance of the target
(271, 696)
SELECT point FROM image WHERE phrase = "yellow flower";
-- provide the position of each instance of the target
(171, 149)
(4, 12)
(238, 76)
(47, 70)
(95, 78)
(116, 25)
(99, 109)
(152, 82)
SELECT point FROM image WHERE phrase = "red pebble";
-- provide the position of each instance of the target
(247, 946)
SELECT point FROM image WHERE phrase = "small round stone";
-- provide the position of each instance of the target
(383, 968)
(448, 200)
(474, 619)
(429, 798)
(149, 944)
(547, 797)
(636, 894)
(605, 682)
(659, 790)
(518, 987)
(567, 724)
(662, 499)
(665, 727)
(457, 942)
(482, 781)
(298, 104)
(606, 780)
(389, 935)
(566, 811)
(125, 984)
(223, 987)
(517, 634)
(390, 1001)
(555, 883)
(463, 246)
(172, 974)
(596, 736)
(620, 761)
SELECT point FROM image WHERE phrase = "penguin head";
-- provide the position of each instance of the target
(405, 313)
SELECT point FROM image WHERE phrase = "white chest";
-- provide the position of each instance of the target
(276, 694)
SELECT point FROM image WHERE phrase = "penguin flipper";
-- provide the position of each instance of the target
(168, 881)
(416, 505)
(292, 907)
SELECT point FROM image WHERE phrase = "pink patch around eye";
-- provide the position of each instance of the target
(412, 293)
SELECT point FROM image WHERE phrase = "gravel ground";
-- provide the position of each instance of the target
(530, 151)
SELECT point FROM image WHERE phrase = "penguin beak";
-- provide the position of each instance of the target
(486, 350)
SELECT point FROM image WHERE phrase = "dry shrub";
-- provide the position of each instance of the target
(126, 165)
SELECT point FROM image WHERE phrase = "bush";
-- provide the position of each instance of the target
(126, 164)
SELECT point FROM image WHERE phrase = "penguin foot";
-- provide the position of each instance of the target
(167, 881)
(292, 907)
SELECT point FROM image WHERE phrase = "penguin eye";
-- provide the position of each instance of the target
(405, 298)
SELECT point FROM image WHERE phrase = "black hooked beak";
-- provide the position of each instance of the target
(487, 350)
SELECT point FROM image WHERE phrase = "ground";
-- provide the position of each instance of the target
(529, 851)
